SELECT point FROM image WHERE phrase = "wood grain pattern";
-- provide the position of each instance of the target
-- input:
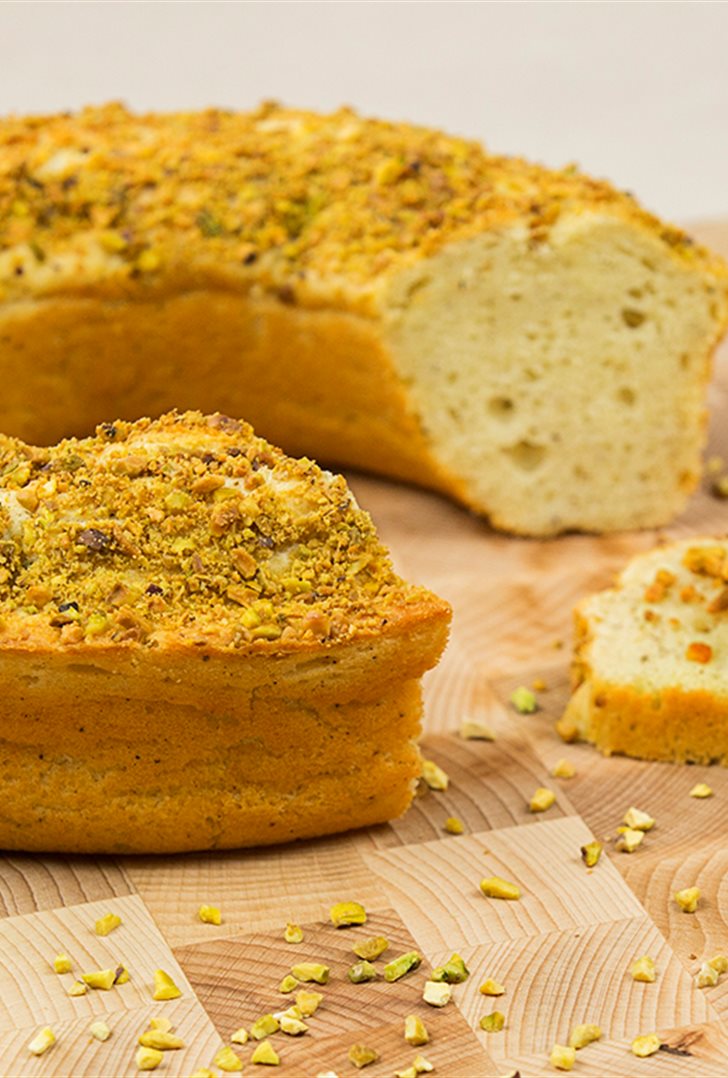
(563, 951)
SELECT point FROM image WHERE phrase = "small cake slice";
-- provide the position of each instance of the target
(202, 644)
(651, 658)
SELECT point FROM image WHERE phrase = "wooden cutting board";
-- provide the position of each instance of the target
(563, 951)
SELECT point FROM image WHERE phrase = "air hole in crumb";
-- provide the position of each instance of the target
(632, 317)
(526, 455)
(501, 406)
(684, 361)
(635, 293)
(626, 395)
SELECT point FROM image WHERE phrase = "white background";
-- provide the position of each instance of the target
(636, 92)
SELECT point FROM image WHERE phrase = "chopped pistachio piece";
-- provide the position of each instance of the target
(148, 1059)
(327, 1074)
(107, 924)
(311, 971)
(62, 963)
(719, 962)
(362, 971)
(308, 1002)
(437, 993)
(454, 826)
(562, 1057)
(164, 986)
(646, 1046)
(491, 988)
(583, 1035)
(287, 984)
(264, 1026)
(541, 800)
(122, 975)
(99, 1030)
(42, 1041)
(563, 769)
(476, 731)
(523, 700)
(434, 776)
(629, 840)
(398, 967)
(408, 1072)
(371, 948)
(361, 1056)
(293, 1026)
(493, 1023)
(344, 914)
(497, 887)
(100, 978)
(454, 971)
(161, 1039)
(707, 976)
(203, 1072)
(240, 1036)
(78, 988)
(638, 820)
(161, 1023)
(210, 915)
(227, 1060)
(422, 1065)
(701, 790)
(415, 1031)
(643, 969)
(293, 933)
(591, 853)
(688, 899)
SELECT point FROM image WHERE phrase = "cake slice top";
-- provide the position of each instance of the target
(665, 624)
(109, 202)
(189, 530)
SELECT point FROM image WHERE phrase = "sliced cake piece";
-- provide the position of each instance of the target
(202, 644)
(651, 661)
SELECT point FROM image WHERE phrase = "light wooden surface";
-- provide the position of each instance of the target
(563, 951)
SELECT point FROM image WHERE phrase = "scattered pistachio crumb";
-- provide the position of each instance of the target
(523, 700)
(688, 899)
(434, 776)
(240, 1036)
(493, 1023)
(78, 988)
(362, 971)
(264, 1026)
(164, 986)
(287, 984)
(563, 769)
(293, 933)
(161, 1023)
(497, 887)
(327, 1074)
(638, 820)
(415, 1031)
(203, 1072)
(402, 965)
(361, 1056)
(266, 1054)
(542, 800)
(454, 826)
(707, 976)
(539, 685)
(562, 1057)
(122, 975)
(210, 915)
(99, 1030)
(294, 1027)
(646, 1045)
(454, 971)
(344, 914)
(719, 962)
(148, 1059)
(371, 948)
(491, 988)
(437, 993)
(591, 853)
(643, 969)
(583, 1035)
(311, 971)
(107, 924)
(476, 731)
(701, 790)
(161, 1039)
(62, 963)
(422, 1065)
(308, 1002)
(42, 1041)
(100, 978)
(228, 1060)
(629, 840)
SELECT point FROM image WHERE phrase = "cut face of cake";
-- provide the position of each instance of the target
(651, 658)
(202, 644)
